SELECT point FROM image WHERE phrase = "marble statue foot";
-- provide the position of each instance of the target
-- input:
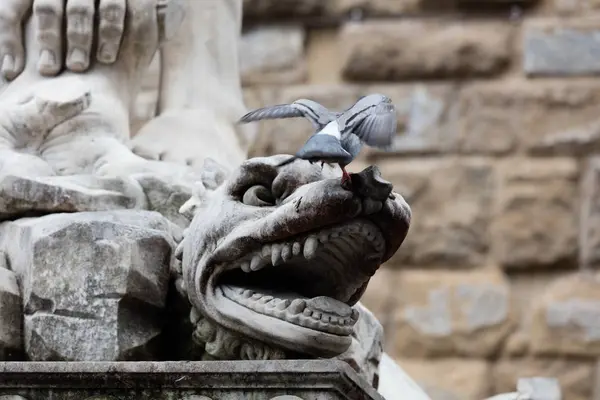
(188, 138)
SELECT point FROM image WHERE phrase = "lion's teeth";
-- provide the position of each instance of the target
(257, 263)
(310, 247)
(245, 266)
(276, 254)
(323, 237)
(296, 248)
(297, 306)
(266, 251)
(266, 299)
(282, 305)
(286, 252)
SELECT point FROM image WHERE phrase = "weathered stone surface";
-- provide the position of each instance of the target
(492, 2)
(323, 56)
(167, 197)
(551, 46)
(333, 9)
(379, 7)
(367, 346)
(424, 118)
(254, 97)
(446, 313)
(146, 103)
(11, 314)
(518, 114)
(451, 201)
(94, 284)
(525, 289)
(248, 133)
(272, 55)
(20, 195)
(516, 345)
(564, 318)
(535, 222)
(575, 377)
(575, 7)
(580, 140)
(388, 50)
(289, 8)
(306, 379)
(380, 295)
(589, 217)
(450, 379)
(483, 123)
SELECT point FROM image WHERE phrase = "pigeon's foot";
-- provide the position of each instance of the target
(346, 180)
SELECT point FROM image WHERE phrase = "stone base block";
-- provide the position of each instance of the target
(211, 380)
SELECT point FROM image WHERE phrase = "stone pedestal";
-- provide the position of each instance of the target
(213, 380)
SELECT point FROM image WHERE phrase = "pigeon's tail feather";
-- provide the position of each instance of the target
(272, 112)
(324, 148)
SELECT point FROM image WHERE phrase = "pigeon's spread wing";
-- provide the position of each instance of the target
(315, 112)
(273, 112)
(378, 127)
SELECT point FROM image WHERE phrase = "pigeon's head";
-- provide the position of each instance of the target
(281, 254)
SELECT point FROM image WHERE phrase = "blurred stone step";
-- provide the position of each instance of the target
(231, 380)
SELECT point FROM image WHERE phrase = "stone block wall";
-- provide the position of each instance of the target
(499, 124)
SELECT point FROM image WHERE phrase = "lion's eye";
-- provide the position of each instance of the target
(258, 196)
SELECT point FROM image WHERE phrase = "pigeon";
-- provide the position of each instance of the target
(339, 136)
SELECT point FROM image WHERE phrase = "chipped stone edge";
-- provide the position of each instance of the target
(332, 376)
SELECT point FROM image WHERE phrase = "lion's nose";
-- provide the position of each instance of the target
(368, 183)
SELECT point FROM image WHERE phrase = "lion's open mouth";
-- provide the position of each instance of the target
(310, 280)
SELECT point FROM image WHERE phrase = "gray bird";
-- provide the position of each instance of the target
(339, 136)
